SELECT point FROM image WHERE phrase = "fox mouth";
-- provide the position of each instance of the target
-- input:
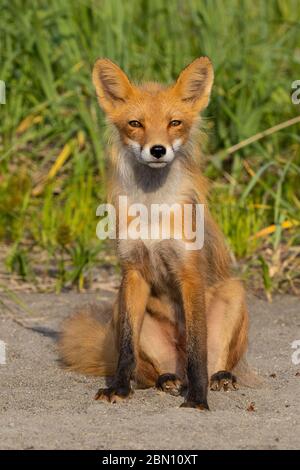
(157, 164)
(153, 163)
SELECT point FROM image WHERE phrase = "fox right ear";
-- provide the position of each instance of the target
(195, 82)
(111, 83)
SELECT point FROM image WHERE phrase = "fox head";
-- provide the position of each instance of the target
(154, 122)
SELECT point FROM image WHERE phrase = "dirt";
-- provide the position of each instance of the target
(44, 407)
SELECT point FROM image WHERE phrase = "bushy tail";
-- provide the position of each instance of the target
(87, 343)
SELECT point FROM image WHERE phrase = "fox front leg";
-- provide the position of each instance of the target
(133, 296)
(193, 301)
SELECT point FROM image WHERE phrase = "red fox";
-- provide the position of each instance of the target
(180, 321)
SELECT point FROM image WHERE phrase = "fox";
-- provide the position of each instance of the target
(180, 321)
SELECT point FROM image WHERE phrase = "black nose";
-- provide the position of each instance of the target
(158, 151)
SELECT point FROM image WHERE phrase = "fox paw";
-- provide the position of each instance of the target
(113, 394)
(223, 380)
(201, 406)
(169, 383)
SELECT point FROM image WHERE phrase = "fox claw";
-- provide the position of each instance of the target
(113, 395)
(223, 380)
(169, 383)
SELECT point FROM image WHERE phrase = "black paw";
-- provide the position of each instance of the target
(195, 404)
(223, 380)
(169, 383)
(113, 394)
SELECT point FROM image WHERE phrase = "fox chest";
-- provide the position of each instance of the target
(157, 260)
(151, 237)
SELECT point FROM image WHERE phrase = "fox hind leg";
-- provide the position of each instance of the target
(170, 383)
(161, 363)
(227, 326)
(223, 380)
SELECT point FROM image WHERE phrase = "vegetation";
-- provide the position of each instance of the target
(52, 135)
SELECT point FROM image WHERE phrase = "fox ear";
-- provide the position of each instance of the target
(195, 82)
(111, 83)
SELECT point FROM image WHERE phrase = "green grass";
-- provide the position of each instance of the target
(47, 52)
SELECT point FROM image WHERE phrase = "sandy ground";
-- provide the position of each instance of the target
(45, 407)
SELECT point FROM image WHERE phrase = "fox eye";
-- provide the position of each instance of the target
(175, 123)
(135, 124)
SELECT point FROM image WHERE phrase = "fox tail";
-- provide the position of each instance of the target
(87, 343)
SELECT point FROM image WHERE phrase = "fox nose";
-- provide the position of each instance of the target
(158, 151)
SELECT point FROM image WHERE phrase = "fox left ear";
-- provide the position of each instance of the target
(195, 82)
(111, 83)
